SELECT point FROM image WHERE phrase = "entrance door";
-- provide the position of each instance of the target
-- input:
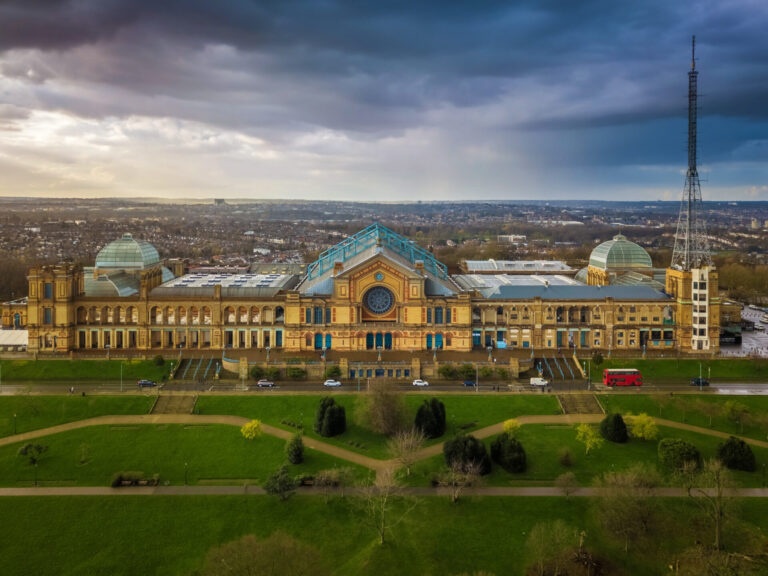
(584, 338)
(327, 341)
(279, 338)
(388, 341)
(476, 336)
(488, 339)
(429, 341)
(559, 339)
(228, 339)
(132, 339)
(318, 341)
(379, 339)
(369, 341)
(438, 341)
(17, 321)
(81, 339)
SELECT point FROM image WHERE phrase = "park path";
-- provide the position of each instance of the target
(518, 491)
(379, 466)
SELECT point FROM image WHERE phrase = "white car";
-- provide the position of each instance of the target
(332, 383)
(420, 382)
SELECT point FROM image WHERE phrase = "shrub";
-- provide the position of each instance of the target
(466, 372)
(486, 372)
(251, 430)
(597, 359)
(642, 426)
(511, 426)
(430, 418)
(508, 453)
(330, 419)
(332, 373)
(280, 484)
(272, 374)
(447, 372)
(614, 429)
(503, 373)
(158, 360)
(736, 454)
(674, 453)
(257, 372)
(295, 373)
(294, 449)
(565, 458)
(466, 452)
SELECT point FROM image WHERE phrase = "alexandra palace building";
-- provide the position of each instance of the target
(375, 291)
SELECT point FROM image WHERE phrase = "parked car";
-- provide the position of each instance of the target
(539, 382)
(469, 383)
(146, 383)
(265, 384)
(699, 382)
(419, 382)
(332, 383)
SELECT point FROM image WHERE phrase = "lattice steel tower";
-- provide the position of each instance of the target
(691, 244)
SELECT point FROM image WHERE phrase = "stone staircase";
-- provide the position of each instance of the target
(579, 404)
(174, 404)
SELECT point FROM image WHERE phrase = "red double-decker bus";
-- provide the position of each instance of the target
(622, 377)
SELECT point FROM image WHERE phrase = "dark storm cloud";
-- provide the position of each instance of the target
(593, 83)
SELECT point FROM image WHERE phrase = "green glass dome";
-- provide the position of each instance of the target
(127, 253)
(619, 253)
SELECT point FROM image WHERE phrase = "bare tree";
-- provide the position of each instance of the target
(382, 409)
(378, 501)
(567, 483)
(710, 409)
(708, 488)
(549, 545)
(404, 447)
(625, 502)
(460, 475)
(334, 478)
(278, 555)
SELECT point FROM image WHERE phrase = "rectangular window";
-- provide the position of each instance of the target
(327, 315)
(406, 373)
(48, 290)
(429, 315)
(447, 315)
(318, 315)
(695, 285)
(47, 315)
(333, 315)
(438, 315)
(702, 285)
(309, 316)
(669, 334)
(631, 309)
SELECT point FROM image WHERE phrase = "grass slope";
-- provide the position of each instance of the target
(76, 370)
(170, 535)
(470, 410)
(35, 412)
(215, 454)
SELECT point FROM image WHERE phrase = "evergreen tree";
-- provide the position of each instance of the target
(614, 429)
(294, 449)
(508, 453)
(736, 454)
(430, 418)
(464, 451)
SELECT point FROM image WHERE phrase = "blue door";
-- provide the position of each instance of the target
(584, 338)
(279, 339)
(17, 320)
(488, 339)
(318, 341)
(476, 338)
(388, 341)
(328, 341)
(438, 341)
(369, 341)
(429, 341)
(559, 339)
(379, 339)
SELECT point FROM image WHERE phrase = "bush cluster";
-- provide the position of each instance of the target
(295, 373)
(468, 454)
(674, 453)
(613, 429)
(331, 418)
(736, 454)
(508, 452)
(430, 418)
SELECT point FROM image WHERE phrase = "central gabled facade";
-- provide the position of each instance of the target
(376, 290)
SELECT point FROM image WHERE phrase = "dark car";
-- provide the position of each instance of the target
(469, 383)
(146, 383)
(699, 382)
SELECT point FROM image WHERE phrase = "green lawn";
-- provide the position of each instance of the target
(215, 454)
(170, 535)
(688, 408)
(35, 412)
(543, 444)
(76, 370)
(667, 369)
(470, 411)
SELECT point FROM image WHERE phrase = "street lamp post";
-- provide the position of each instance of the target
(378, 349)
(268, 353)
(185, 473)
(324, 349)
(490, 353)
(14, 424)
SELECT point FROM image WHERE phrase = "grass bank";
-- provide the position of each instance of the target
(77, 370)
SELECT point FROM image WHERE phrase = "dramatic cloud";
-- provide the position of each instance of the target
(372, 100)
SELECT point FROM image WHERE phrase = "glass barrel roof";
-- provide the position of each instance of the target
(127, 253)
(619, 253)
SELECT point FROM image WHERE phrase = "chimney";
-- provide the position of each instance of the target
(338, 268)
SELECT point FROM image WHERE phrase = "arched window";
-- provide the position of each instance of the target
(255, 315)
(183, 316)
(132, 315)
(194, 315)
(106, 315)
(119, 315)
(155, 315)
(476, 314)
(242, 315)
(170, 315)
(279, 315)
(206, 313)
(82, 315)
(229, 315)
